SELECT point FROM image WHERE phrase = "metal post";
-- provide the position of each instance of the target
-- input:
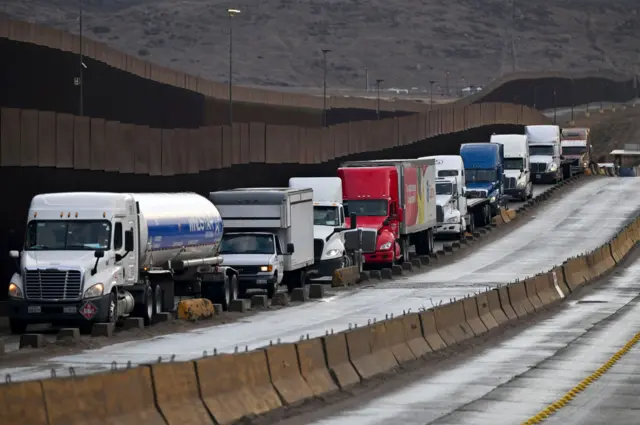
(572, 102)
(81, 77)
(446, 84)
(378, 81)
(324, 88)
(231, 13)
(555, 109)
(432, 82)
(366, 77)
(535, 95)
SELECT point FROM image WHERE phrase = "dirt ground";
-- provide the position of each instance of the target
(407, 43)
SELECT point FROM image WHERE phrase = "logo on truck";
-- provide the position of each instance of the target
(204, 224)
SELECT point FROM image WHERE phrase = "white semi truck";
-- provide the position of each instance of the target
(268, 236)
(328, 223)
(517, 172)
(544, 152)
(98, 257)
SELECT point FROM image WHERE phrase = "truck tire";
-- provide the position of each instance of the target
(145, 309)
(158, 305)
(272, 289)
(296, 279)
(112, 313)
(229, 292)
(17, 326)
(471, 226)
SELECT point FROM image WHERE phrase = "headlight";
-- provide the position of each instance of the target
(552, 167)
(333, 253)
(266, 268)
(14, 291)
(94, 291)
(521, 184)
(493, 199)
(385, 246)
(452, 220)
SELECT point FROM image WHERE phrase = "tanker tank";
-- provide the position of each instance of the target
(177, 227)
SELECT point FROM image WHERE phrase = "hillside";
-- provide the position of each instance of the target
(408, 43)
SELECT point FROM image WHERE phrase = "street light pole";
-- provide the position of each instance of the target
(572, 102)
(555, 109)
(81, 77)
(378, 81)
(446, 84)
(366, 77)
(232, 13)
(432, 82)
(324, 88)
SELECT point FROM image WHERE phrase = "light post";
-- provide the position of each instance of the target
(81, 77)
(446, 84)
(555, 109)
(366, 78)
(324, 88)
(231, 13)
(378, 81)
(431, 83)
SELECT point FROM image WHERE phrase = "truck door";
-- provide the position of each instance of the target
(128, 260)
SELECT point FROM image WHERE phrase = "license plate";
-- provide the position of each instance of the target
(538, 176)
(70, 309)
(34, 309)
(262, 281)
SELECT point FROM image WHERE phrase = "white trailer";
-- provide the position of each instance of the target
(97, 257)
(268, 235)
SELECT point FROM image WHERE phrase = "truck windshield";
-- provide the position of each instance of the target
(247, 243)
(476, 175)
(325, 216)
(444, 188)
(62, 235)
(574, 150)
(541, 150)
(513, 164)
(447, 173)
(368, 208)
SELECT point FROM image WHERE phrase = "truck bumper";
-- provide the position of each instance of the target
(379, 257)
(325, 268)
(256, 281)
(448, 229)
(59, 313)
(544, 177)
(515, 193)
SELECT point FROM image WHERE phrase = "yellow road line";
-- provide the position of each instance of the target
(545, 413)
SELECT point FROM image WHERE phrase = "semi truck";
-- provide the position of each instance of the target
(484, 189)
(517, 175)
(98, 257)
(544, 151)
(328, 223)
(576, 148)
(397, 198)
(268, 236)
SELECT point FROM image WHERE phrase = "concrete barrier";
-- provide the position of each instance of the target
(430, 331)
(558, 280)
(519, 300)
(121, 397)
(234, 386)
(23, 403)
(504, 215)
(576, 272)
(285, 374)
(313, 367)
(530, 288)
(177, 394)
(345, 276)
(451, 323)
(472, 317)
(493, 298)
(484, 311)
(497, 220)
(341, 369)
(369, 350)
(397, 341)
(505, 303)
(546, 290)
(195, 309)
(413, 335)
(512, 214)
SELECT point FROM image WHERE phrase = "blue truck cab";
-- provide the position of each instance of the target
(484, 167)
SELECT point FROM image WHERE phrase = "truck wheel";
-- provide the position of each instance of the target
(471, 227)
(18, 327)
(157, 300)
(272, 289)
(145, 310)
(430, 242)
(486, 219)
(112, 314)
(229, 292)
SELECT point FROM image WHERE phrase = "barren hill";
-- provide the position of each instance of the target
(407, 43)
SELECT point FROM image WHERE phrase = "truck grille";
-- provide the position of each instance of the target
(318, 246)
(476, 194)
(247, 270)
(538, 167)
(53, 284)
(439, 214)
(510, 183)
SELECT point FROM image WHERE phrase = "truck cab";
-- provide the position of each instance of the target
(483, 166)
(517, 175)
(576, 148)
(328, 220)
(544, 152)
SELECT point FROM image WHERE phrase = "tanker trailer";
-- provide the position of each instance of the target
(98, 257)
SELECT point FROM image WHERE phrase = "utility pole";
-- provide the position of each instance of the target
(432, 82)
(555, 109)
(81, 77)
(378, 81)
(232, 13)
(446, 83)
(324, 88)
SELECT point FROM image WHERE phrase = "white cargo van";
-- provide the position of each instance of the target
(328, 222)
(268, 236)
(544, 153)
(517, 173)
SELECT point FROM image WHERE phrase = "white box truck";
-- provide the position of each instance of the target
(97, 257)
(544, 152)
(268, 236)
(328, 224)
(517, 173)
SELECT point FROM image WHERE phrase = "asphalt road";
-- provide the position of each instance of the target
(578, 222)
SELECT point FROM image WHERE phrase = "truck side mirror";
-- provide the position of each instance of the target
(14, 254)
(290, 249)
(354, 220)
(99, 253)
(400, 214)
(128, 240)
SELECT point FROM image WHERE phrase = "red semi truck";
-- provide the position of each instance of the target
(397, 197)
